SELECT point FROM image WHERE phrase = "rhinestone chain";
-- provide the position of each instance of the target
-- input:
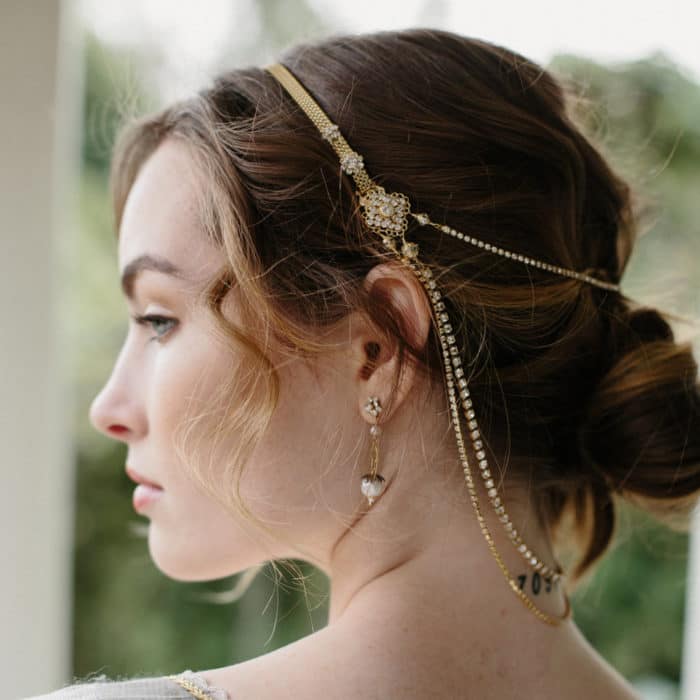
(424, 220)
(451, 356)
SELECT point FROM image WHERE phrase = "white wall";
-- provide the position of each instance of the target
(39, 109)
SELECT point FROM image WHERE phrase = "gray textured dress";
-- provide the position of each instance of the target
(154, 688)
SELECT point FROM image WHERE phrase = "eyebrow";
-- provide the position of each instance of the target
(146, 262)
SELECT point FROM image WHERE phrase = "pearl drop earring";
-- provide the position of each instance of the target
(373, 483)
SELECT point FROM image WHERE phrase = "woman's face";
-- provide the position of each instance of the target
(175, 362)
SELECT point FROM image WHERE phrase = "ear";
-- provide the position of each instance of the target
(374, 356)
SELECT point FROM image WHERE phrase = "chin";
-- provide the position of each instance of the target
(189, 562)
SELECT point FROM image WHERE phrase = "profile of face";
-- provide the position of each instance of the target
(174, 362)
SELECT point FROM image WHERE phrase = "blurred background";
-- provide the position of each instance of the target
(80, 594)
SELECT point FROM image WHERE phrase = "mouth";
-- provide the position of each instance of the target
(137, 478)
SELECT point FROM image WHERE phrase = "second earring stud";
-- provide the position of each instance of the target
(372, 482)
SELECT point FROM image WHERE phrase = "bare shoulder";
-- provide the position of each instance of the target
(268, 679)
(324, 666)
(317, 667)
(298, 669)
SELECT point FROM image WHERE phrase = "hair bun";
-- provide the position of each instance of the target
(641, 427)
(639, 436)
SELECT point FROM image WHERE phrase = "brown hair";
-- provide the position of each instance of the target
(588, 392)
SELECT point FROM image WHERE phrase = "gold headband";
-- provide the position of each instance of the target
(387, 214)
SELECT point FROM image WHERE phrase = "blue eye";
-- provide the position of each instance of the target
(155, 321)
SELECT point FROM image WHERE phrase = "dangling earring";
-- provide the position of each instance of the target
(373, 483)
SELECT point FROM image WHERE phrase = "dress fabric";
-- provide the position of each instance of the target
(154, 688)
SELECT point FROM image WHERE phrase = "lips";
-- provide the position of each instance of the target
(136, 477)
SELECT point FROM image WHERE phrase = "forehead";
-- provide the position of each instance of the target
(160, 215)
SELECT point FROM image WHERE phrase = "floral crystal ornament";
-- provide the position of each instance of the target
(386, 213)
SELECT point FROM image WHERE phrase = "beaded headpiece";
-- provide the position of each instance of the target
(387, 215)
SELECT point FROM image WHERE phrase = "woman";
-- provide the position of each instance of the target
(378, 325)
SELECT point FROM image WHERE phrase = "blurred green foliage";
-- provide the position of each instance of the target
(131, 619)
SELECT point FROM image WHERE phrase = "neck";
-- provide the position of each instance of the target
(421, 543)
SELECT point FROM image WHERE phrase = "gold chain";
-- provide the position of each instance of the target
(424, 274)
(328, 129)
(191, 688)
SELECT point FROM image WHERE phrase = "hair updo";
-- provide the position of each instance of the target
(589, 395)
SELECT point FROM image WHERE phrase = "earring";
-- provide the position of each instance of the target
(373, 483)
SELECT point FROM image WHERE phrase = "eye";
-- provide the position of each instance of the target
(156, 322)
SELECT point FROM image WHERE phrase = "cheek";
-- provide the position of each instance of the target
(187, 371)
(184, 378)
(303, 466)
(185, 375)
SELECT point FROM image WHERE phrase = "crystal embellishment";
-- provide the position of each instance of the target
(422, 219)
(331, 132)
(372, 406)
(352, 163)
(385, 212)
(410, 250)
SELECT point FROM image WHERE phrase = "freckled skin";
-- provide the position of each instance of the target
(418, 607)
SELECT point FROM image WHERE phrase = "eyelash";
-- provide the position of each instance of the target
(150, 319)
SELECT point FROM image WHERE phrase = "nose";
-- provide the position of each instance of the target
(117, 410)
